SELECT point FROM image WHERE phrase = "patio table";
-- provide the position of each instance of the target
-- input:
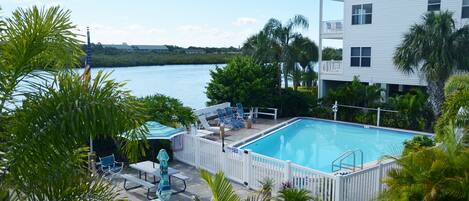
(151, 168)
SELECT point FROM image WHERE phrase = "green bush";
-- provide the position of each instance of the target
(168, 111)
(355, 93)
(246, 81)
(296, 103)
(413, 111)
(417, 143)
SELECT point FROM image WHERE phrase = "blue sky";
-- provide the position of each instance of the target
(211, 23)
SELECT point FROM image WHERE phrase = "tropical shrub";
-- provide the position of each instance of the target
(50, 132)
(417, 143)
(222, 190)
(244, 80)
(355, 94)
(296, 103)
(435, 173)
(457, 97)
(168, 111)
(413, 111)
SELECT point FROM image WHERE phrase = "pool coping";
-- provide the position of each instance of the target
(247, 140)
(267, 132)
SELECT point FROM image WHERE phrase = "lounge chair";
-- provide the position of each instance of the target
(227, 120)
(238, 121)
(240, 110)
(206, 126)
(109, 166)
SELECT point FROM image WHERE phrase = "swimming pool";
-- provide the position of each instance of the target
(316, 143)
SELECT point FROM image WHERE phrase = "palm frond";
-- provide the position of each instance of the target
(221, 188)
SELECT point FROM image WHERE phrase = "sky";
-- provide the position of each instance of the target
(202, 23)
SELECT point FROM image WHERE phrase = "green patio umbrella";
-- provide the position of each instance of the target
(164, 188)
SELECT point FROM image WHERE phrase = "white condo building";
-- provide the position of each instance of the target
(370, 32)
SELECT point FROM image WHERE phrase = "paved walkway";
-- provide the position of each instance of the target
(195, 186)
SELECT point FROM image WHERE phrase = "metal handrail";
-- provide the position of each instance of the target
(344, 156)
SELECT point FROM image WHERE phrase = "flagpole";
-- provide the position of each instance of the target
(87, 75)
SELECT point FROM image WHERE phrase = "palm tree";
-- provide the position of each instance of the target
(305, 53)
(284, 34)
(43, 142)
(50, 132)
(262, 48)
(437, 49)
(34, 39)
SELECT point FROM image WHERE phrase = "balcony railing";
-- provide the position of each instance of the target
(333, 29)
(331, 67)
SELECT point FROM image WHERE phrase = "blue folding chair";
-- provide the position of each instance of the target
(109, 166)
(227, 120)
(235, 121)
(240, 110)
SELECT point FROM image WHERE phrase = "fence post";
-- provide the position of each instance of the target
(338, 188)
(378, 117)
(223, 162)
(335, 108)
(287, 172)
(247, 167)
(197, 151)
(380, 177)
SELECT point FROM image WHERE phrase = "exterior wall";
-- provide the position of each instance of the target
(390, 20)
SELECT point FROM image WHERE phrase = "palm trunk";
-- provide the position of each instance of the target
(435, 90)
(285, 75)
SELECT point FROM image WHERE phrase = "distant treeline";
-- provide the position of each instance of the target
(113, 57)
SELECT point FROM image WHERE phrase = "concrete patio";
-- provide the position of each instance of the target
(195, 186)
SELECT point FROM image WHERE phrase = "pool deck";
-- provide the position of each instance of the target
(231, 137)
(195, 185)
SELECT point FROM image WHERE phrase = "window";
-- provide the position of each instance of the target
(434, 5)
(465, 9)
(360, 57)
(361, 14)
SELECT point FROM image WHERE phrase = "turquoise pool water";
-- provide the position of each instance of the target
(316, 143)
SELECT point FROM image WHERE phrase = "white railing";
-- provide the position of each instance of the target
(333, 27)
(249, 168)
(331, 67)
(365, 184)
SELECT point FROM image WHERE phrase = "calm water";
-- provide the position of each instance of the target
(315, 143)
(184, 82)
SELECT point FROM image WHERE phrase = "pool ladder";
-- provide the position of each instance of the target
(340, 163)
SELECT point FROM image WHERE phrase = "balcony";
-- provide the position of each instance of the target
(331, 67)
(333, 29)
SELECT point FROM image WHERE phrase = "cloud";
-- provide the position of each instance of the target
(184, 35)
(244, 21)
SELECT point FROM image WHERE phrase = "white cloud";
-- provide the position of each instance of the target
(244, 21)
(184, 35)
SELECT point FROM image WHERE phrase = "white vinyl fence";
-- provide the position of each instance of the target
(249, 168)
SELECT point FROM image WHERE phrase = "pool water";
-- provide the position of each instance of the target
(316, 143)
